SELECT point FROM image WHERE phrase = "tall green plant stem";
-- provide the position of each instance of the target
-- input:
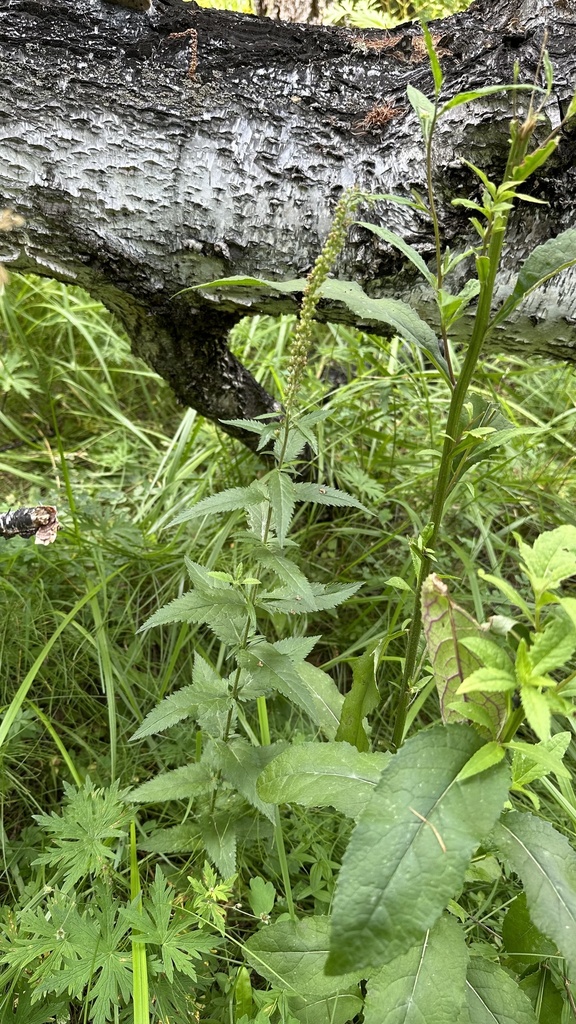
(488, 262)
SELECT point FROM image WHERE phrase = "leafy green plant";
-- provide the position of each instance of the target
(423, 813)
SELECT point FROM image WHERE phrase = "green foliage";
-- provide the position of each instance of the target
(235, 659)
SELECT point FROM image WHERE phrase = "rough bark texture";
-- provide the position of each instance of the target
(150, 151)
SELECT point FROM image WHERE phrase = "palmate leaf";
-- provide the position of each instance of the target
(546, 864)
(426, 984)
(323, 775)
(446, 625)
(411, 847)
(159, 923)
(81, 834)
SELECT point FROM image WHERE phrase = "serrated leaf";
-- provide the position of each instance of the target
(535, 760)
(397, 314)
(546, 864)
(553, 646)
(552, 557)
(321, 494)
(223, 610)
(426, 984)
(445, 625)
(538, 711)
(292, 954)
(362, 698)
(172, 709)
(411, 847)
(230, 500)
(179, 784)
(282, 499)
(545, 261)
(241, 764)
(493, 997)
(323, 775)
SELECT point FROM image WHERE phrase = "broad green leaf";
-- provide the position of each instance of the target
(225, 501)
(545, 261)
(552, 557)
(362, 698)
(524, 943)
(493, 997)
(426, 984)
(323, 775)
(218, 831)
(546, 864)
(326, 697)
(398, 242)
(282, 499)
(541, 987)
(179, 784)
(292, 955)
(538, 711)
(445, 625)
(334, 1009)
(553, 646)
(261, 897)
(411, 847)
(397, 314)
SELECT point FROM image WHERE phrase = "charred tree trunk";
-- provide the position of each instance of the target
(150, 151)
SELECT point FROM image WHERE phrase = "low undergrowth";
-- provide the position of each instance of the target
(237, 785)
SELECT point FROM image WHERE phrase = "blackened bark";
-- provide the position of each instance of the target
(151, 151)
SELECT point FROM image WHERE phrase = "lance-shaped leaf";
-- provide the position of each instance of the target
(546, 864)
(493, 997)
(411, 847)
(428, 983)
(544, 262)
(362, 698)
(323, 775)
(445, 627)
